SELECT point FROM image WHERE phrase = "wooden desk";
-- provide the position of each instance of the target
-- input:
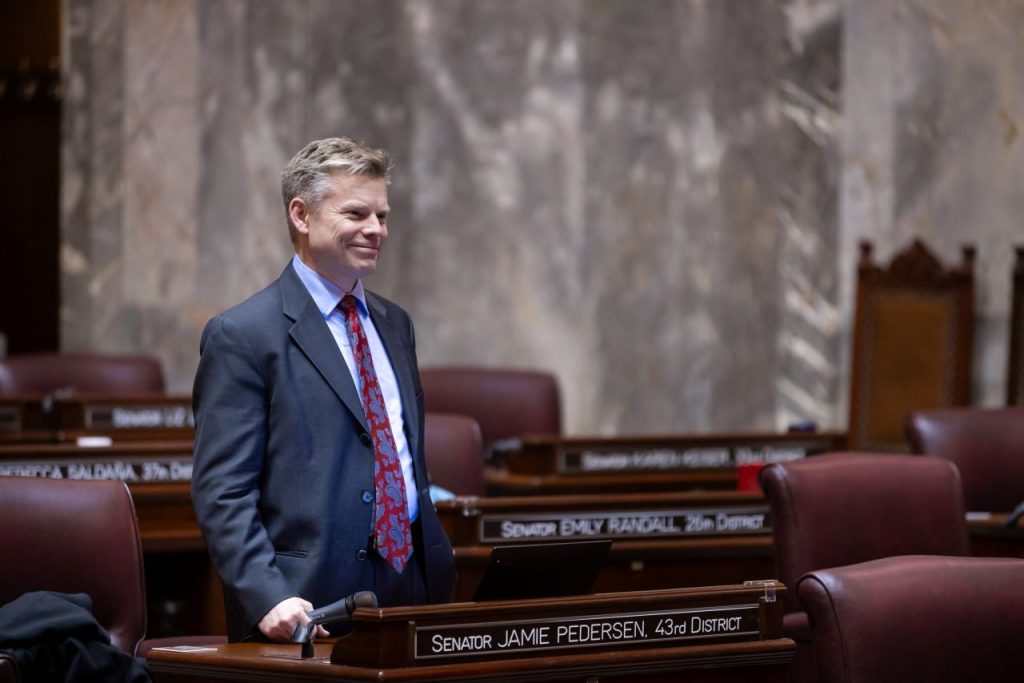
(990, 536)
(41, 419)
(23, 419)
(577, 465)
(660, 540)
(686, 548)
(185, 592)
(724, 633)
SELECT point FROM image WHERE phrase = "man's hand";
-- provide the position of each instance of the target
(279, 623)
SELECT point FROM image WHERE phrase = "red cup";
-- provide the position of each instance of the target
(748, 476)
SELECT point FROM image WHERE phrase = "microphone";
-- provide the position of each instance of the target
(336, 611)
(1017, 513)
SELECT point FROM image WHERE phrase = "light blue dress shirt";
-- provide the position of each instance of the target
(327, 296)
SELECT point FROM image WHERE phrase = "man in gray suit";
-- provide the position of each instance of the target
(302, 392)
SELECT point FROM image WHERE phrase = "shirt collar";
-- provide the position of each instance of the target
(326, 295)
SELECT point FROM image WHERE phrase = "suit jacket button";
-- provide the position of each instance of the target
(361, 554)
(365, 439)
(367, 497)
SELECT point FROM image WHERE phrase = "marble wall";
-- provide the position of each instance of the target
(933, 112)
(659, 201)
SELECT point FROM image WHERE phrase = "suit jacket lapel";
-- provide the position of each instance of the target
(399, 354)
(311, 334)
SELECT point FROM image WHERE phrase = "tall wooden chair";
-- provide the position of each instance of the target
(912, 339)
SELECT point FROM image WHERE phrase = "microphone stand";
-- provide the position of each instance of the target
(306, 650)
(336, 611)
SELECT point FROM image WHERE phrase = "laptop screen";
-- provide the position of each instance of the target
(541, 570)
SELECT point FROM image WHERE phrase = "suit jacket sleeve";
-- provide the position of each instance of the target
(230, 404)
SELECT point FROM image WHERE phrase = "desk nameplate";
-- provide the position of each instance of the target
(559, 635)
(624, 524)
(134, 470)
(50, 418)
(115, 417)
(704, 457)
(553, 629)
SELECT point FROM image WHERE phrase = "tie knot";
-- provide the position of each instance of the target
(348, 303)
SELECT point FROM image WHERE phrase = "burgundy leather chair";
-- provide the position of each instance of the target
(505, 403)
(81, 372)
(8, 670)
(986, 445)
(454, 453)
(842, 508)
(918, 618)
(73, 536)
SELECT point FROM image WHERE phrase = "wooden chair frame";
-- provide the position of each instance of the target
(912, 340)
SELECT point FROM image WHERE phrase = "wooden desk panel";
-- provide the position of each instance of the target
(578, 465)
(990, 536)
(504, 483)
(49, 419)
(383, 645)
(24, 419)
(179, 572)
(765, 662)
(659, 562)
(660, 540)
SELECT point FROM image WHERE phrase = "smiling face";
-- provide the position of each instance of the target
(341, 238)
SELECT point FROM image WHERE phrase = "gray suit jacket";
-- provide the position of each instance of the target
(283, 457)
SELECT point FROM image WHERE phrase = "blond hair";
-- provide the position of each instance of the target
(307, 175)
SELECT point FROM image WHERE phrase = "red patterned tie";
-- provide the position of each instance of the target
(391, 513)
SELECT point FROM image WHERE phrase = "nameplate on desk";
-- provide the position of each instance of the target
(664, 459)
(137, 470)
(114, 417)
(556, 635)
(624, 524)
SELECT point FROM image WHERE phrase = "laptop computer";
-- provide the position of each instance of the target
(541, 570)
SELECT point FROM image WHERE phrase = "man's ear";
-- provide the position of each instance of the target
(299, 212)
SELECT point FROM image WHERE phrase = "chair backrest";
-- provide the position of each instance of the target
(74, 536)
(985, 444)
(843, 508)
(505, 403)
(81, 372)
(912, 339)
(917, 618)
(454, 453)
(8, 669)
